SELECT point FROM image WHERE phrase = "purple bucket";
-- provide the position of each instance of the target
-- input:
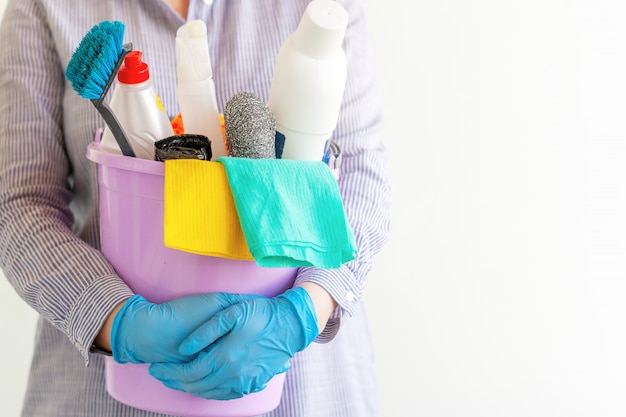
(131, 227)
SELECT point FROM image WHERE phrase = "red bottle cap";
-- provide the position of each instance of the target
(133, 70)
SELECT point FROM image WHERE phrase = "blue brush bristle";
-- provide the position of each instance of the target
(95, 58)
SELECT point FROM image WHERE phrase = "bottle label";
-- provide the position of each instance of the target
(280, 144)
(160, 103)
(327, 152)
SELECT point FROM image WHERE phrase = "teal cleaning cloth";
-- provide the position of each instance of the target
(290, 211)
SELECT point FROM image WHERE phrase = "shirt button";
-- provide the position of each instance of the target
(349, 296)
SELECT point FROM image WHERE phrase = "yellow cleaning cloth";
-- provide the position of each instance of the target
(199, 211)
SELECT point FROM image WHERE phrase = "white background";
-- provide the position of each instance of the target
(502, 291)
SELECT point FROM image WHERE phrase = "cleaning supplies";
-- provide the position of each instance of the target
(250, 127)
(195, 91)
(199, 214)
(309, 81)
(291, 212)
(138, 108)
(92, 68)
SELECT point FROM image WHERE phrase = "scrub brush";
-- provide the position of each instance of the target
(92, 68)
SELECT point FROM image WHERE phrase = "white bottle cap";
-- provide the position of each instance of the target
(321, 29)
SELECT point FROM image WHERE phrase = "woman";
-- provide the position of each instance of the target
(48, 193)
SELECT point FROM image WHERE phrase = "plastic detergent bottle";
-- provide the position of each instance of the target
(309, 81)
(138, 108)
(195, 91)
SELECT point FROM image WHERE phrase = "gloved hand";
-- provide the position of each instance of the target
(144, 332)
(241, 348)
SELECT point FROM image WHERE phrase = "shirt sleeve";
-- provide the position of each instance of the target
(363, 180)
(66, 280)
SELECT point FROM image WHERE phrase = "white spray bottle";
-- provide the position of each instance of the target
(309, 81)
(195, 91)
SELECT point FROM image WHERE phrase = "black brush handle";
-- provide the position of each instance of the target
(114, 125)
(107, 113)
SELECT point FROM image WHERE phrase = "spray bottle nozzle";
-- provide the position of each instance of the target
(192, 52)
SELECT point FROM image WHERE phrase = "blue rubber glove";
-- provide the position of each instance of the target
(241, 348)
(145, 332)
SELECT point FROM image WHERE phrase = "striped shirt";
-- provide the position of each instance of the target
(49, 234)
